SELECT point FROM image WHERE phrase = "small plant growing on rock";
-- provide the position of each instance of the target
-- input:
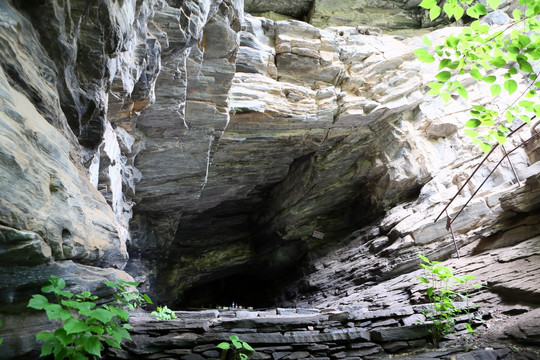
(235, 349)
(84, 325)
(126, 296)
(442, 310)
(163, 313)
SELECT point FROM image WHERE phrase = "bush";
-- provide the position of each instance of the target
(85, 326)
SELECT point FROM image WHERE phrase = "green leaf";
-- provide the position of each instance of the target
(247, 346)
(494, 4)
(476, 74)
(425, 259)
(524, 65)
(73, 326)
(434, 12)
(525, 118)
(473, 123)
(469, 328)
(92, 345)
(79, 356)
(458, 12)
(435, 88)
(53, 284)
(498, 62)
(510, 86)
(526, 104)
(485, 147)
(121, 313)
(489, 79)
(452, 42)
(517, 15)
(443, 76)
(428, 4)
(38, 302)
(44, 336)
(523, 40)
(47, 349)
(479, 108)
(476, 11)
(113, 343)
(111, 284)
(147, 299)
(509, 117)
(118, 332)
(423, 280)
(130, 283)
(78, 305)
(445, 96)
(495, 90)
(471, 133)
(224, 346)
(424, 56)
(102, 315)
(63, 337)
(55, 311)
(243, 356)
(444, 63)
(462, 92)
(513, 49)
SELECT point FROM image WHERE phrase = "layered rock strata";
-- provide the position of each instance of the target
(307, 333)
(328, 129)
(50, 212)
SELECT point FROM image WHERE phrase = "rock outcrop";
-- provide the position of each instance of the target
(50, 212)
(328, 130)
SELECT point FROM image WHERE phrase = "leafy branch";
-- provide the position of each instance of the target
(442, 312)
(502, 58)
(85, 326)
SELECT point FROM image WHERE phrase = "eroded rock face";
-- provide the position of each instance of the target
(328, 129)
(296, 8)
(45, 189)
(388, 15)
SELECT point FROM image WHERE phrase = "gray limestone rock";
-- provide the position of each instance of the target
(18, 283)
(22, 248)
(46, 189)
(295, 8)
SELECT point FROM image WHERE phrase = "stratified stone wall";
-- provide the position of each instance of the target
(351, 332)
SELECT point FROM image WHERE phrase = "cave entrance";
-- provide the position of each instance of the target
(244, 290)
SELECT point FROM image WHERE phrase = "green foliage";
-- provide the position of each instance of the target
(1, 340)
(442, 311)
(85, 326)
(477, 52)
(237, 347)
(126, 295)
(164, 313)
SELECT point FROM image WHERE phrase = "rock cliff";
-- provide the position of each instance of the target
(204, 151)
